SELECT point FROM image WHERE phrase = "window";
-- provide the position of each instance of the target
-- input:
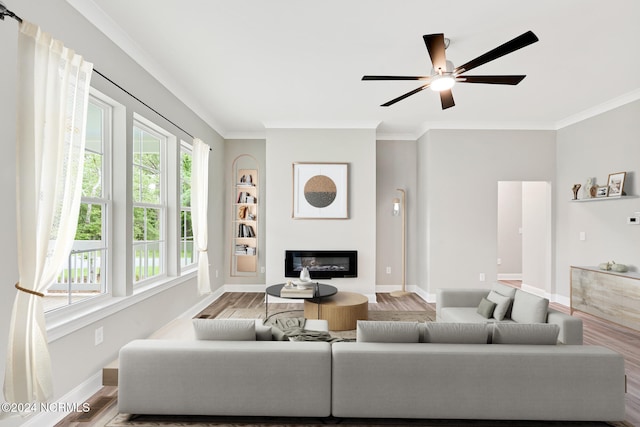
(149, 203)
(86, 273)
(188, 256)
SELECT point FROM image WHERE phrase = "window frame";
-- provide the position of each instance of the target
(187, 148)
(163, 206)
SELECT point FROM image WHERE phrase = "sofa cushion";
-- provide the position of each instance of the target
(502, 304)
(225, 329)
(456, 333)
(263, 332)
(387, 331)
(525, 333)
(486, 308)
(529, 308)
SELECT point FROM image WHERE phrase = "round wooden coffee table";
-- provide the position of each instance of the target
(342, 310)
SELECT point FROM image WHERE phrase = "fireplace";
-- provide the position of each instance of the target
(321, 264)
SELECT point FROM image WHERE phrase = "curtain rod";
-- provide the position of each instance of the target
(6, 12)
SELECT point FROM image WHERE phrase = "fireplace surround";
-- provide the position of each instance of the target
(322, 264)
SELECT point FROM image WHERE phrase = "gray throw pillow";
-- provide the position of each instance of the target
(525, 333)
(225, 329)
(506, 290)
(456, 333)
(486, 308)
(387, 331)
(502, 304)
(529, 308)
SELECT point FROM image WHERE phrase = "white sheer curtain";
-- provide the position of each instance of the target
(53, 91)
(199, 208)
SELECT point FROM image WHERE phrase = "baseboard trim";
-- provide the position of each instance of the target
(509, 276)
(79, 395)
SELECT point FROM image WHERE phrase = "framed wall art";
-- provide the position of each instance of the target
(616, 184)
(320, 191)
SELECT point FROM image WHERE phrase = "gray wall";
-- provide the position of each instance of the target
(458, 172)
(354, 146)
(396, 167)
(74, 356)
(596, 147)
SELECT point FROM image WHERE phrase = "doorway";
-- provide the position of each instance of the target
(524, 234)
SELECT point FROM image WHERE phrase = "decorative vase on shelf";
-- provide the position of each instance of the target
(575, 189)
(304, 275)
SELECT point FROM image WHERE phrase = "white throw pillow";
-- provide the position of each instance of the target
(225, 329)
(506, 290)
(456, 333)
(529, 308)
(389, 331)
(526, 333)
(502, 304)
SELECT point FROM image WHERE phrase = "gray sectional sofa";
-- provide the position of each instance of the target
(394, 370)
(512, 305)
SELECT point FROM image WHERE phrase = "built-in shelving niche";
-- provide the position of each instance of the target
(244, 216)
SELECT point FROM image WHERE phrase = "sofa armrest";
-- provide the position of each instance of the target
(458, 298)
(570, 327)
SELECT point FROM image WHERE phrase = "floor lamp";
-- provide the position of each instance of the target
(399, 207)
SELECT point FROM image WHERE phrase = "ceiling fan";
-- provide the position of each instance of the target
(443, 74)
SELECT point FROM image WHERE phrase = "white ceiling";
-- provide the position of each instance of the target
(244, 65)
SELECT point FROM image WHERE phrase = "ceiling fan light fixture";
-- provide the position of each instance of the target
(442, 82)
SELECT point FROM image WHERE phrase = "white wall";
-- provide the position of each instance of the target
(74, 356)
(354, 146)
(596, 147)
(458, 175)
(509, 229)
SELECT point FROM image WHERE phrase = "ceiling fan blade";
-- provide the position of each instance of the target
(406, 95)
(446, 99)
(511, 46)
(436, 48)
(495, 80)
(395, 77)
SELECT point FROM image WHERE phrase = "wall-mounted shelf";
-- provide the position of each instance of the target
(599, 199)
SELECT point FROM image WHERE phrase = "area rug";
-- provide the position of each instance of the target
(123, 420)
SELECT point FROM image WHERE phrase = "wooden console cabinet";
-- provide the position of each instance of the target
(607, 294)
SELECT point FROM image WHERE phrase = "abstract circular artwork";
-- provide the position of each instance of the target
(320, 191)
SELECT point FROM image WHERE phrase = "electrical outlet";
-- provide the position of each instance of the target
(482, 278)
(388, 270)
(583, 235)
(217, 274)
(99, 335)
(262, 269)
(499, 261)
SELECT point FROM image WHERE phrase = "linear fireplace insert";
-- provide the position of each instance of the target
(321, 264)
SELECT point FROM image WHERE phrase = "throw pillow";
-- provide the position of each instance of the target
(456, 333)
(529, 308)
(263, 332)
(502, 304)
(387, 331)
(486, 308)
(225, 329)
(526, 333)
(506, 290)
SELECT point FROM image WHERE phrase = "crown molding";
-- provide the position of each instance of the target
(612, 104)
(322, 124)
(95, 15)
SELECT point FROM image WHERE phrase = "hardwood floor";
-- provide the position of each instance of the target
(596, 332)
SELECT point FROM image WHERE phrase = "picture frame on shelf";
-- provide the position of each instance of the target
(602, 191)
(320, 191)
(615, 184)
